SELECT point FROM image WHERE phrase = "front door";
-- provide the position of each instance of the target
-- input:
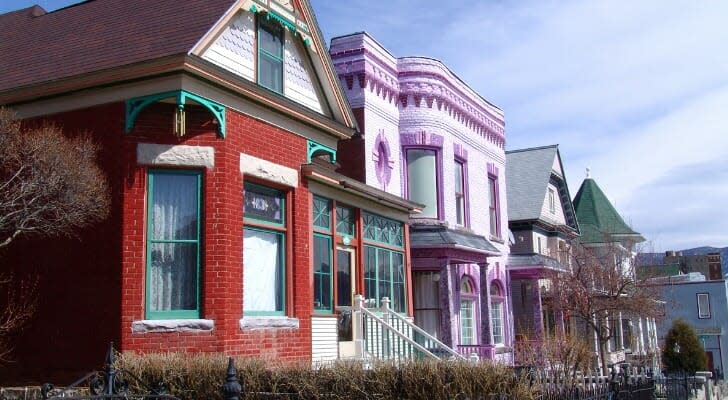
(345, 276)
(345, 290)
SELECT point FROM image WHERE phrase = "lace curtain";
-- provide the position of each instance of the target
(174, 246)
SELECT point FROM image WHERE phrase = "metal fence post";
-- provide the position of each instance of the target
(231, 388)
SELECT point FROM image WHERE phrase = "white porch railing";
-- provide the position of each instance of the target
(392, 337)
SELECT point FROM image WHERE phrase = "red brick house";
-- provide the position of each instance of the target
(229, 230)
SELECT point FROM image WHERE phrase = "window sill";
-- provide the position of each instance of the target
(497, 239)
(255, 323)
(172, 325)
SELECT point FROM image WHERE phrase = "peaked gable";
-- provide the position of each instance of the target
(598, 218)
(307, 70)
(530, 174)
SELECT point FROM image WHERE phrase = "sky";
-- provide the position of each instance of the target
(637, 91)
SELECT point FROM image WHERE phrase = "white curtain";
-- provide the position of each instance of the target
(173, 275)
(262, 278)
(427, 302)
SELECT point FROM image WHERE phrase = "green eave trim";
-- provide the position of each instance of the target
(295, 26)
(136, 105)
(314, 148)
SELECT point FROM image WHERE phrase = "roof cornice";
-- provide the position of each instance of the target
(180, 63)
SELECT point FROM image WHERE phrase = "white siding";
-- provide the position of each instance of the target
(234, 48)
(324, 339)
(299, 80)
(557, 216)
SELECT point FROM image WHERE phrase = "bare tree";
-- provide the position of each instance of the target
(50, 185)
(598, 286)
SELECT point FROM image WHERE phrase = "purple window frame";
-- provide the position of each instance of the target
(501, 298)
(474, 297)
(424, 141)
(493, 186)
(466, 198)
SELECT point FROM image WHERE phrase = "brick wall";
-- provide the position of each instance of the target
(93, 289)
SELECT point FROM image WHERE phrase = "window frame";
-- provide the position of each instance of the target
(552, 201)
(262, 23)
(280, 229)
(462, 197)
(149, 240)
(494, 219)
(438, 177)
(498, 299)
(706, 296)
(338, 240)
(393, 247)
(470, 297)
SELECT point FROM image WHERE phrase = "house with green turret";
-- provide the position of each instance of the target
(604, 231)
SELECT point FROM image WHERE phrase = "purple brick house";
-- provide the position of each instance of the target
(427, 136)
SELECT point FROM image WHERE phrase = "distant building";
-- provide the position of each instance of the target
(702, 304)
(675, 263)
(706, 264)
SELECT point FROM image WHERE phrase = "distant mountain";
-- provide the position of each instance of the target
(658, 258)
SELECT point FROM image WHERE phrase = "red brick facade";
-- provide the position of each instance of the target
(92, 289)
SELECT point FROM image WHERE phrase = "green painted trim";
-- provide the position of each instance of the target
(314, 147)
(377, 280)
(135, 105)
(150, 240)
(318, 275)
(278, 58)
(282, 289)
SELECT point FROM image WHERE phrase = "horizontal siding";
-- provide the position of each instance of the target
(324, 339)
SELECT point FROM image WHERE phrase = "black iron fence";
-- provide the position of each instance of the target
(109, 383)
(627, 384)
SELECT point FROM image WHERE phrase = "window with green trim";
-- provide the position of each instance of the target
(322, 213)
(383, 230)
(270, 54)
(322, 282)
(384, 274)
(173, 244)
(345, 221)
(264, 251)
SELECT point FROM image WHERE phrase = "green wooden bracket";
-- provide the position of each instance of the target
(136, 105)
(314, 148)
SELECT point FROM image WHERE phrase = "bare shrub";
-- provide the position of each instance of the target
(197, 376)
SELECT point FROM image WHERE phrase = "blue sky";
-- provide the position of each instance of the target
(636, 91)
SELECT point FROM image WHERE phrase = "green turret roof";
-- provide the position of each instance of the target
(598, 220)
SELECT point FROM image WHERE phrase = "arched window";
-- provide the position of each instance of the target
(496, 312)
(468, 297)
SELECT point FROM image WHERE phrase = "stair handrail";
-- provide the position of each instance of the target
(394, 330)
(388, 311)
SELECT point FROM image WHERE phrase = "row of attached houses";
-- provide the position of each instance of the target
(272, 197)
